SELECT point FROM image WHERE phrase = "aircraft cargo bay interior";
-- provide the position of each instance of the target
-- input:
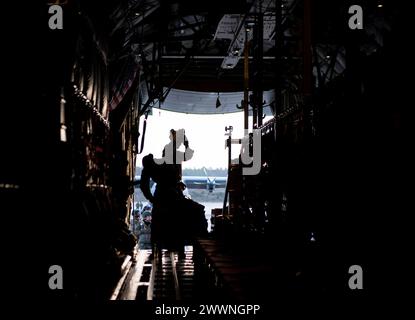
(178, 150)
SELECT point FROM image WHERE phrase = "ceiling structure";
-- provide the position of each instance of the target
(184, 47)
(197, 102)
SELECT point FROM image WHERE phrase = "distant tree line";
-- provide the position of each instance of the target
(217, 172)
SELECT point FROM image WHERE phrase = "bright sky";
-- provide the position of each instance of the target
(206, 134)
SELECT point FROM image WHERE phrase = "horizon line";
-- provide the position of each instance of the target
(193, 168)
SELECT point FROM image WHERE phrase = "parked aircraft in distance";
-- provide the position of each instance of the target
(198, 182)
